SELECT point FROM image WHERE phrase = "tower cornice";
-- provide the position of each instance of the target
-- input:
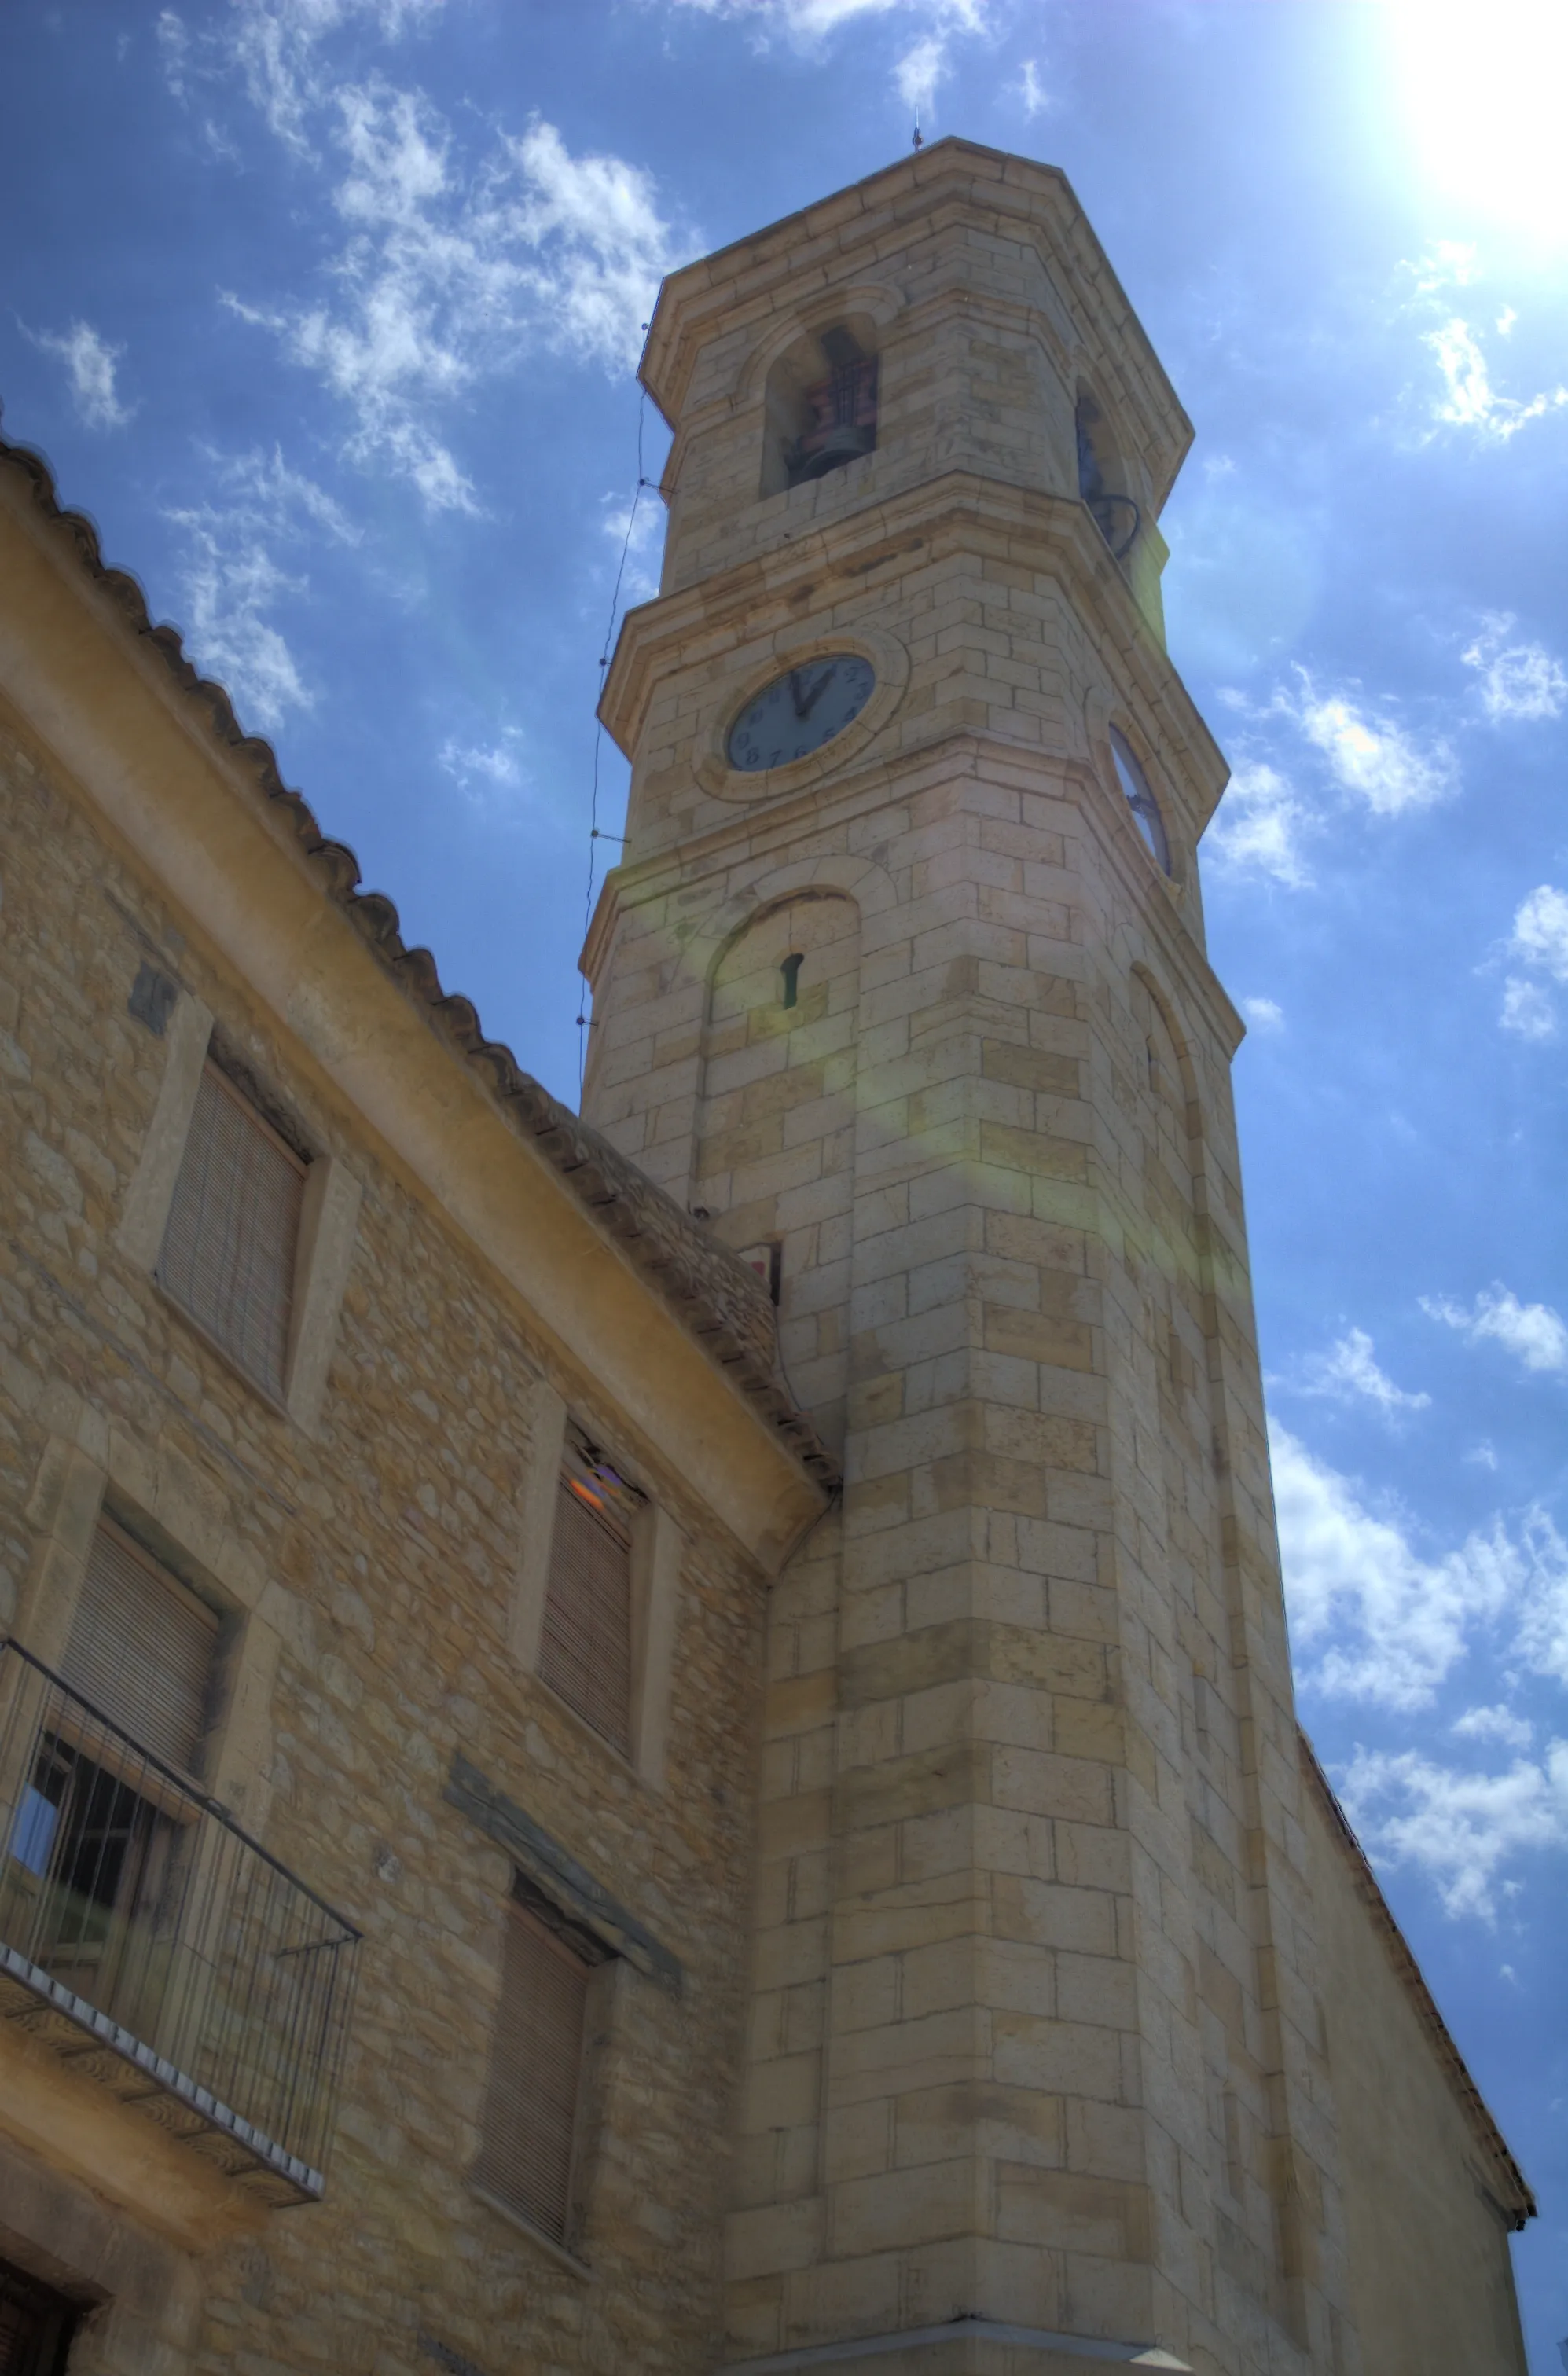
(757, 838)
(759, 601)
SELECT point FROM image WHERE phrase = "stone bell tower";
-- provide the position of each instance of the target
(903, 982)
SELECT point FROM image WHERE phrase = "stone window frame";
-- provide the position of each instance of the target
(544, 1910)
(74, 1490)
(658, 1552)
(328, 1221)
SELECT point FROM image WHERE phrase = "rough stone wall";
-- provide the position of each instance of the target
(368, 1571)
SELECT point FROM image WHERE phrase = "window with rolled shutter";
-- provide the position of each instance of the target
(234, 1229)
(586, 1644)
(142, 1649)
(536, 2061)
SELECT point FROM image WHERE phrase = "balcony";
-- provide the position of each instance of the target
(156, 1947)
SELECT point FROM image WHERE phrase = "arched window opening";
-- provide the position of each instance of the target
(791, 969)
(822, 405)
(1140, 799)
(1115, 513)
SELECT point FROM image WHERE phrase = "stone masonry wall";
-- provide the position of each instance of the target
(370, 1570)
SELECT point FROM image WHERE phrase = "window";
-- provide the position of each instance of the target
(585, 1645)
(36, 2325)
(1140, 799)
(97, 1862)
(232, 1232)
(530, 2126)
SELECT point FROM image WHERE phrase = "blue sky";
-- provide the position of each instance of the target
(328, 311)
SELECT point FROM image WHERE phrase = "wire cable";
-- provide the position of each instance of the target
(595, 834)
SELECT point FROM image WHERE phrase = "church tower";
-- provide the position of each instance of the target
(902, 983)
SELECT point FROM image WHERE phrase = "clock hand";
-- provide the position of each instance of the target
(795, 693)
(823, 681)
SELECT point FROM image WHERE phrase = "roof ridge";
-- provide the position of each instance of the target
(717, 1297)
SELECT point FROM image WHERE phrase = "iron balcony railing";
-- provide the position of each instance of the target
(135, 1916)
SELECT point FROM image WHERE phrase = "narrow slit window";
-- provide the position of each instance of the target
(791, 969)
(529, 2125)
(229, 1249)
(586, 1646)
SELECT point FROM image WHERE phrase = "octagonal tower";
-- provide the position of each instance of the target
(902, 982)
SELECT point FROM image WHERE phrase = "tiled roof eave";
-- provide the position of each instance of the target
(713, 1295)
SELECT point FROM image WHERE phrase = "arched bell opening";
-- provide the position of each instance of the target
(1102, 481)
(821, 405)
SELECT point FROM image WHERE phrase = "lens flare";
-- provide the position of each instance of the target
(1482, 93)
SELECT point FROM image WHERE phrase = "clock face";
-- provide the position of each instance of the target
(799, 712)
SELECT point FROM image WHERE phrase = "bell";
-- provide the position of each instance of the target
(843, 442)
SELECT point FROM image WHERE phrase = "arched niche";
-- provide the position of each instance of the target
(773, 1164)
(820, 407)
(1169, 1113)
(1102, 479)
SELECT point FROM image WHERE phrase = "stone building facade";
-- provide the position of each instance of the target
(880, 1906)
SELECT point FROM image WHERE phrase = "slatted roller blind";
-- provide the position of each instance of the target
(141, 1648)
(531, 2107)
(586, 1646)
(234, 1227)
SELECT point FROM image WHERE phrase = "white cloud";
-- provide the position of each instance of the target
(809, 20)
(1519, 680)
(1461, 1829)
(917, 71)
(1498, 1723)
(1447, 264)
(1378, 762)
(231, 580)
(485, 770)
(920, 70)
(1374, 1620)
(1528, 1010)
(276, 47)
(1265, 821)
(449, 278)
(1538, 940)
(91, 364)
(1540, 931)
(1534, 1332)
(1031, 92)
(1261, 824)
(637, 532)
(1348, 1372)
(1468, 399)
(1263, 1014)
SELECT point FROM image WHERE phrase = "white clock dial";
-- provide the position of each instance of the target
(799, 712)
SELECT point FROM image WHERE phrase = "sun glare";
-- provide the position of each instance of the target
(1481, 92)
